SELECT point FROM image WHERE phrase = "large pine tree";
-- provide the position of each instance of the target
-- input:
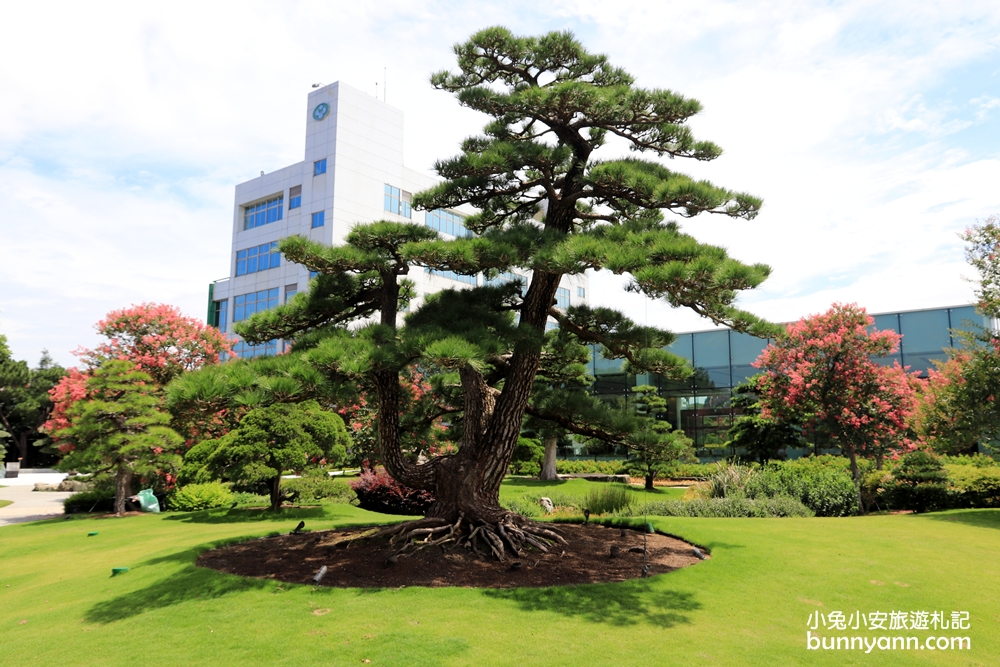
(548, 207)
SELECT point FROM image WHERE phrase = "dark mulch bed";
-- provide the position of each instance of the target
(355, 561)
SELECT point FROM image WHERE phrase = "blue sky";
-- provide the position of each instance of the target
(869, 128)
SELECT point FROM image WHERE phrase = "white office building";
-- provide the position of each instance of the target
(352, 172)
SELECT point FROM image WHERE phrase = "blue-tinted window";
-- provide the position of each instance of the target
(682, 347)
(580, 292)
(744, 349)
(550, 325)
(397, 201)
(711, 359)
(295, 197)
(319, 167)
(448, 222)
(319, 219)
(258, 258)
(220, 315)
(966, 319)
(246, 305)
(925, 335)
(562, 298)
(263, 213)
(245, 350)
(290, 291)
(451, 275)
(508, 277)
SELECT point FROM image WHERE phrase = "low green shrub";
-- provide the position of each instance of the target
(974, 486)
(97, 500)
(825, 488)
(607, 498)
(918, 483)
(584, 467)
(527, 457)
(976, 460)
(728, 507)
(246, 499)
(316, 487)
(194, 497)
(729, 479)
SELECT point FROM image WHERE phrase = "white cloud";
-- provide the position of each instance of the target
(125, 126)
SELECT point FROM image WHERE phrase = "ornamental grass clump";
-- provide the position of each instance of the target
(607, 499)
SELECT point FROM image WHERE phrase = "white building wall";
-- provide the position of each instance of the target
(361, 139)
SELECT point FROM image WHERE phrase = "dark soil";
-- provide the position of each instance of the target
(356, 560)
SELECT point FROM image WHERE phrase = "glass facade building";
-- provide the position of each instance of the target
(700, 405)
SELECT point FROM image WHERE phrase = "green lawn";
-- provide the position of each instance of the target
(575, 490)
(4, 503)
(748, 605)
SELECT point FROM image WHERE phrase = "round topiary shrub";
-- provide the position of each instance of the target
(919, 483)
(194, 497)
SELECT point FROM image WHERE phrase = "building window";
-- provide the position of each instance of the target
(220, 315)
(319, 167)
(295, 197)
(246, 305)
(397, 201)
(451, 275)
(508, 277)
(290, 291)
(245, 350)
(562, 298)
(582, 293)
(313, 274)
(447, 222)
(258, 258)
(319, 219)
(263, 213)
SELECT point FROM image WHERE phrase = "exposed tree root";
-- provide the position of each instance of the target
(512, 535)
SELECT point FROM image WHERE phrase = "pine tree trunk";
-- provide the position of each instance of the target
(649, 480)
(275, 493)
(549, 462)
(22, 448)
(464, 489)
(123, 487)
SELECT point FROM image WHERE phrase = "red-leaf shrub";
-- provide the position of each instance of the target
(379, 492)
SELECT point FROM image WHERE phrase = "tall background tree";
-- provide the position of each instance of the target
(548, 205)
(25, 405)
(821, 374)
(958, 411)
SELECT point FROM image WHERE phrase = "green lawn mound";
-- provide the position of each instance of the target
(359, 559)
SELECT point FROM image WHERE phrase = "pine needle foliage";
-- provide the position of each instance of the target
(550, 203)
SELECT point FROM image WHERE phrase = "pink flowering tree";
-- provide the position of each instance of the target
(157, 339)
(821, 373)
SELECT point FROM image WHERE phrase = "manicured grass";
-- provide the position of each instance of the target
(747, 605)
(529, 490)
(4, 503)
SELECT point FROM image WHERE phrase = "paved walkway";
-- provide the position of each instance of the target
(30, 505)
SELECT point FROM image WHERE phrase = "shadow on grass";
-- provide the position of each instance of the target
(243, 515)
(190, 583)
(982, 518)
(628, 603)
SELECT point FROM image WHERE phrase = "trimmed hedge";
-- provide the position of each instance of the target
(317, 487)
(729, 507)
(90, 501)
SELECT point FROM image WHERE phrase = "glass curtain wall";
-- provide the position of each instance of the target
(701, 405)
